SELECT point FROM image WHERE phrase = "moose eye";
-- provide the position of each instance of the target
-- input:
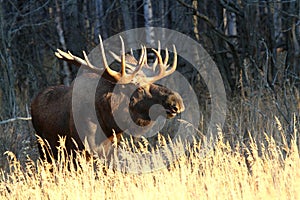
(131, 99)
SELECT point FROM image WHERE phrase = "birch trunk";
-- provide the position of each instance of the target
(195, 21)
(148, 16)
(58, 20)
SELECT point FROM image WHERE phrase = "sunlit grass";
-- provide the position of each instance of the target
(220, 172)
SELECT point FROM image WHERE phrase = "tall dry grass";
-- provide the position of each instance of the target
(220, 172)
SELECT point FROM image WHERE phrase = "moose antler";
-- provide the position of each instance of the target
(163, 70)
(69, 57)
(135, 67)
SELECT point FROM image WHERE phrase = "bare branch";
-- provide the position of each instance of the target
(15, 119)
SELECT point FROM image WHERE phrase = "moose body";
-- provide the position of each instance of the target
(54, 111)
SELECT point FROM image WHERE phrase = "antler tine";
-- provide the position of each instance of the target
(144, 48)
(142, 60)
(160, 63)
(131, 52)
(167, 57)
(123, 61)
(89, 65)
(173, 68)
(158, 56)
(76, 60)
(155, 62)
(113, 73)
(144, 56)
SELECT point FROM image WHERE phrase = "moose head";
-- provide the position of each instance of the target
(130, 92)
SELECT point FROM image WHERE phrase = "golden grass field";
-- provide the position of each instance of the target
(219, 173)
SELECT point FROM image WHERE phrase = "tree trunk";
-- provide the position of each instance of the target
(195, 21)
(66, 70)
(148, 17)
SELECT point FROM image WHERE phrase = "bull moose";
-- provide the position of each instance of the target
(53, 115)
